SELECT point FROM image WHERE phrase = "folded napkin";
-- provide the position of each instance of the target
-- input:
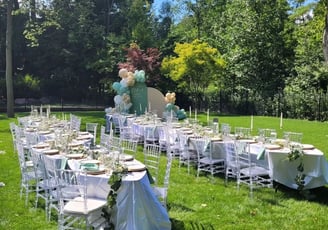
(260, 153)
(89, 166)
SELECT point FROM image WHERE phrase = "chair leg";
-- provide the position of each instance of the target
(27, 190)
(21, 191)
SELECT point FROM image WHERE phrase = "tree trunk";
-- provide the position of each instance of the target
(9, 64)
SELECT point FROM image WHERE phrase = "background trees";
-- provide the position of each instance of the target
(194, 68)
(272, 50)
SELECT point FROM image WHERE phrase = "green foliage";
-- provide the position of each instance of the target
(195, 66)
(27, 86)
(297, 153)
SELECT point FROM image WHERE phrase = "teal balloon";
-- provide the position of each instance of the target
(116, 86)
(139, 76)
(123, 90)
(181, 114)
(169, 106)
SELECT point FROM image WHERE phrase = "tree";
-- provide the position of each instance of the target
(306, 88)
(194, 67)
(9, 64)
(253, 42)
(148, 61)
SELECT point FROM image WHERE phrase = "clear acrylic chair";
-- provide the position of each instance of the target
(114, 143)
(205, 161)
(76, 209)
(225, 130)
(51, 165)
(188, 156)
(173, 145)
(104, 138)
(242, 132)
(129, 146)
(92, 128)
(267, 135)
(162, 137)
(14, 134)
(150, 135)
(41, 185)
(152, 155)
(28, 177)
(293, 138)
(231, 163)
(161, 191)
(251, 174)
(75, 122)
(116, 121)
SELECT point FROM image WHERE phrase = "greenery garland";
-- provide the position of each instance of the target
(115, 181)
(297, 153)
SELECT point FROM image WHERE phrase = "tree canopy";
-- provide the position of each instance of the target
(235, 56)
(194, 67)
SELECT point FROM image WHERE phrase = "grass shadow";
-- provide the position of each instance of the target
(190, 225)
(317, 195)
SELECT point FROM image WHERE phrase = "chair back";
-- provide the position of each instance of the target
(116, 121)
(38, 164)
(92, 129)
(242, 132)
(50, 166)
(225, 129)
(267, 135)
(129, 146)
(162, 137)
(200, 144)
(293, 137)
(151, 159)
(114, 143)
(75, 122)
(21, 157)
(150, 137)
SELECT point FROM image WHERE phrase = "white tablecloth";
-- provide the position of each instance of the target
(281, 169)
(284, 171)
(137, 205)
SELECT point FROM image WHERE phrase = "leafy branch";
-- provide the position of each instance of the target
(297, 153)
(115, 181)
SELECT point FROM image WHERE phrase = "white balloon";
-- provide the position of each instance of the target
(124, 82)
(118, 99)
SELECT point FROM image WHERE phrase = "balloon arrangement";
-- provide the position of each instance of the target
(128, 79)
(172, 108)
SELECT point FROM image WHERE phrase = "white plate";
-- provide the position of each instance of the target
(75, 156)
(307, 147)
(90, 162)
(51, 151)
(272, 146)
(41, 146)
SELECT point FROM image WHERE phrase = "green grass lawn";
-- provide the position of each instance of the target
(193, 203)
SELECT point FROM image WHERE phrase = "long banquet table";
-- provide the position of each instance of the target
(137, 205)
(282, 170)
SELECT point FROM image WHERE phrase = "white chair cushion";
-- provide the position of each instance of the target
(76, 205)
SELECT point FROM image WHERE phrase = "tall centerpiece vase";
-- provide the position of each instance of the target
(139, 98)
